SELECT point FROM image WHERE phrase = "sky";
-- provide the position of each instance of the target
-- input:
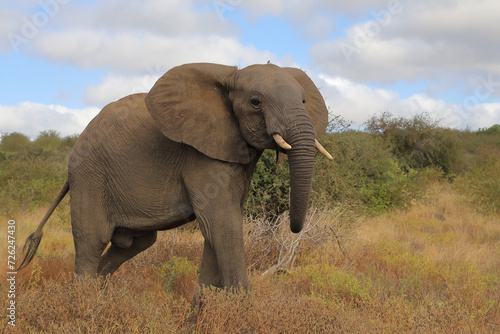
(62, 61)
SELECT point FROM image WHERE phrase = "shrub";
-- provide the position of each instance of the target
(418, 142)
(478, 147)
(332, 285)
(365, 173)
(481, 184)
(47, 143)
(179, 275)
(14, 144)
(495, 129)
(69, 141)
(29, 182)
(270, 190)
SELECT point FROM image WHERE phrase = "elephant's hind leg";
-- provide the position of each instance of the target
(88, 252)
(91, 231)
(123, 248)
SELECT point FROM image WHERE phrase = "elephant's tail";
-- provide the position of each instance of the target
(32, 242)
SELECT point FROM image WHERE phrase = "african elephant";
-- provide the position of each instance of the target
(186, 150)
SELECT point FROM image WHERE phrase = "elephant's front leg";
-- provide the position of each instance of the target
(211, 275)
(223, 263)
(209, 271)
(217, 191)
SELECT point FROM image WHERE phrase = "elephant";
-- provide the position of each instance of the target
(187, 150)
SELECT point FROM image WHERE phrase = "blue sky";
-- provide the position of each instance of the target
(61, 61)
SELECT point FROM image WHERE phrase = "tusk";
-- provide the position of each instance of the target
(322, 150)
(281, 142)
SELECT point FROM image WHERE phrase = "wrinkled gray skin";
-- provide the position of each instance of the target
(187, 150)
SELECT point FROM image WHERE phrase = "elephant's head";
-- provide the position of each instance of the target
(222, 112)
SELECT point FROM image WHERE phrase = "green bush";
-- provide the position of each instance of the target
(29, 182)
(365, 173)
(47, 142)
(481, 184)
(479, 147)
(270, 190)
(32, 173)
(495, 129)
(69, 141)
(14, 144)
(417, 142)
(177, 271)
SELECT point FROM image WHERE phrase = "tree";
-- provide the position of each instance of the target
(14, 143)
(48, 142)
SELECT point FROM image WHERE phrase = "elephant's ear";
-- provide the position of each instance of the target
(190, 105)
(315, 104)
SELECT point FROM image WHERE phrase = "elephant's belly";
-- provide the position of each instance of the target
(150, 224)
(152, 217)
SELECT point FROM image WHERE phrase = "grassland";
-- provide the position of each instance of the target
(425, 262)
(432, 268)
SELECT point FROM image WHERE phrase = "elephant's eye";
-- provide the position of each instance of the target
(304, 101)
(255, 102)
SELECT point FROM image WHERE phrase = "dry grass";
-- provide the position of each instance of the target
(432, 269)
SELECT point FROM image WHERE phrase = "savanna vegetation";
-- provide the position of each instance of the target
(403, 236)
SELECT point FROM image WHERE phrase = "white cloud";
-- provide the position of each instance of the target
(31, 118)
(7, 27)
(304, 11)
(357, 102)
(136, 63)
(113, 87)
(259, 8)
(419, 40)
(169, 18)
(138, 53)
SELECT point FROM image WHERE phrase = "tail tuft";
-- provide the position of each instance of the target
(29, 249)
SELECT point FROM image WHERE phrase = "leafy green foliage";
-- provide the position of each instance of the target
(14, 144)
(47, 143)
(418, 142)
(69, 141)
(495, 129)
(481, 184)
(32, 173)
(270, 191)
(389, 167)
(176, 272)
(365, 173)
(27, 183)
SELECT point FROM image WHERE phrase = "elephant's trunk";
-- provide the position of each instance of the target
(301, 158)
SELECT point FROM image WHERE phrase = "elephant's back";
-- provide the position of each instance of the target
(126, 116)
(124, 158)
(116, 124)
(122, 134)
